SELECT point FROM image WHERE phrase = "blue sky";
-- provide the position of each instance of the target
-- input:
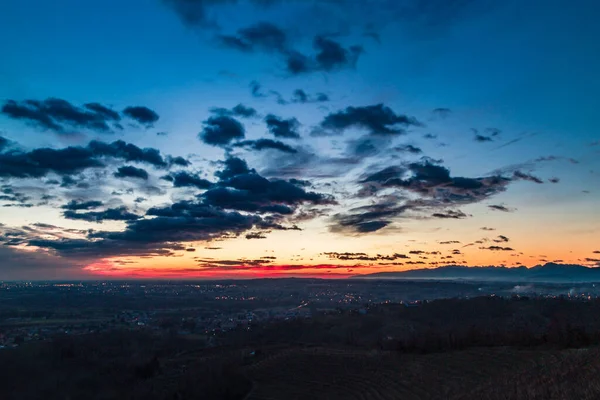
(527, 70)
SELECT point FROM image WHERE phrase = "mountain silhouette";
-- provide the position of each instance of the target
(549, 272)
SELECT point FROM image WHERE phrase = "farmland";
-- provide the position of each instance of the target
(460, 349)
(483, 373)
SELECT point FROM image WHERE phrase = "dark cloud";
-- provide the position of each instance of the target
(221, 130)
(526, 177)
(108, 113)
(423, 18)
(186, 179)
(39, 162)
(501, 239)
(307, 164)
(129, 171)
(436, 189)
(364, 256)
(4, 143)
(450, 214)
(234, 42)
(301, 182)
(127, 152)
(510, 142)
(163, 234)
(262, 36)
(493, 131)
(485, 228)
(388, 174)
(483, 139)
(321, 98)
(213, 215)
(363, 147)
(23, 205)
(233, 166)
(497, 248)
(74, 159)
(283, 128)
(62, 117)
(554, 180)
(279, 98)
(491, 134)
(159, 236)
(329, 56)
(194, 12)
(179, 161)
(499, 207)
(450, 242)
(238, 111)
(10, 194)
(69, 182)
(264, 144)
(75, 205)
(143, 115)
(376, 119)
(297, 63)
(112, 214)
(441, 112)
(248, 191)
(255, 235)
(408, 148)
(434, 181)
(516, 140)
(300, 96)
(244, 264)
(44, 226)
(233, 199)
(256, 90)
(267, 37)
(20, 199)
(366, 219)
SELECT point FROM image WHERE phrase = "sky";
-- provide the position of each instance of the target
(323, 138)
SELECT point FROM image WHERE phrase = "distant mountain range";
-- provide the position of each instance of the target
(540, 273)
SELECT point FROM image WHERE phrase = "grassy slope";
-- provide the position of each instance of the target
(498, 373)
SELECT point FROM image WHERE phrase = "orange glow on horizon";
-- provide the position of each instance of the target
(182, 269)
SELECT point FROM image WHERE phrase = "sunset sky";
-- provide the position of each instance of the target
(254, 138)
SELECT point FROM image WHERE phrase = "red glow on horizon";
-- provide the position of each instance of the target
(108, 269)
(119, 269)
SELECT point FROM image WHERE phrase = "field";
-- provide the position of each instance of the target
(476, 349)
(123, 368)
(484, 373)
